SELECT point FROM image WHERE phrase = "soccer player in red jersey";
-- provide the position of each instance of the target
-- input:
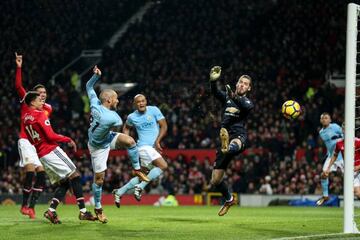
(59, 167)
(340, 148)
(29, 160)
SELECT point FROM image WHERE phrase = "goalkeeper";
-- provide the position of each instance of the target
(233, 133)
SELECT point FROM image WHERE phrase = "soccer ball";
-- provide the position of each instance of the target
(291, 109)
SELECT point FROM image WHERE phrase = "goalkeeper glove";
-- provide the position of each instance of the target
(215, 73)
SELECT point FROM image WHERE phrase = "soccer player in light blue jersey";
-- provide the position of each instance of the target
(151, 127)
(103, 119)
(329, 133)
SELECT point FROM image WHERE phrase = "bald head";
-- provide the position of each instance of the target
(140, 102)
(108, 98)
(107, 94)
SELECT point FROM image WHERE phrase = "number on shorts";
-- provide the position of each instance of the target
(33, 134)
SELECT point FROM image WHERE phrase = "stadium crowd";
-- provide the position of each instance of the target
(169, 54)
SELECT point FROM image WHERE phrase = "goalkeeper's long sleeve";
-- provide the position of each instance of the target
(220, 95)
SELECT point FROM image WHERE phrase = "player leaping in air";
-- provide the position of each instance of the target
(233, 133)
(151, 127)
(103, 119)
(59, 167)
(329, 133)
(29, 160)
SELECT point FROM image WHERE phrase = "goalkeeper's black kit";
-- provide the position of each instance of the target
(235, 113)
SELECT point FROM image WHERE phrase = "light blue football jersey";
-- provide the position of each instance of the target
(102, 119)
(330, 135)
(146, 125)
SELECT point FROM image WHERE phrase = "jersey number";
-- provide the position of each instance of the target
(96, 124)
(33, 134)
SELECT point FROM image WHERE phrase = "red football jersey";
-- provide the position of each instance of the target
(24, 108)
(40, 133)
(340, 147)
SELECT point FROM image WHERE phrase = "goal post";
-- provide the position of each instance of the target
(350, 102)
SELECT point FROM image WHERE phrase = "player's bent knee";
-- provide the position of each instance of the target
(125, 142)
(160, 163)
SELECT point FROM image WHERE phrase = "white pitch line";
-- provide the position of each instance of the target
(312, 236)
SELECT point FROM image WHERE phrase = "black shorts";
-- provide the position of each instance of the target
(222, 160)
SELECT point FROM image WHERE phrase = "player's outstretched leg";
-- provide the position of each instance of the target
(121, 191)
(325, 189)
(36, 191)
(135, 161)
(125, 141)
(160, 165)
(139, 188)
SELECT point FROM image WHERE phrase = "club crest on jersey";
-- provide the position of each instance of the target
(148, 117)
(232, 110)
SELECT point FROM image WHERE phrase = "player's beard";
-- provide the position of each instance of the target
(113, 107)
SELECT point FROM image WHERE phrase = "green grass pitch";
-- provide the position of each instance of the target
(143, 222)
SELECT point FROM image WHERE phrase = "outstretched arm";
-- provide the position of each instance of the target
(18, 79)
(215, 73)
(52, 136)
(90, 86)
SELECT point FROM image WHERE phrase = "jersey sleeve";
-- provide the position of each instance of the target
(118, 121)
(50, 135)
(158, 114)
(129, 121)
(90, 90)
(18, 84)
(220, 95)
(339, 131)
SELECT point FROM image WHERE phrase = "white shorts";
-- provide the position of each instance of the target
(147, 155)
(57, 165)
(99, 156)
(337, 164)
(357, 179)
(27, 153)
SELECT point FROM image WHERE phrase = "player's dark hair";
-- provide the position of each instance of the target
(37, 86)
(30, 96)
(326, 113)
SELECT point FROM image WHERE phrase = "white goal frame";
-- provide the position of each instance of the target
(350, 102)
